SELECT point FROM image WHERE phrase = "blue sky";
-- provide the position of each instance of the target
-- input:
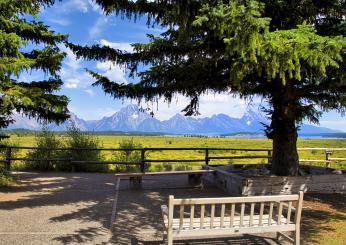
(85, 24)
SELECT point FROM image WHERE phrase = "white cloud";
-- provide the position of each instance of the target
(122, 46)
(72, 83)
(98, 26)
(89, 92)
(95, 7)
(112, 71)
(73, 72)
(210, 105)
(71, 59)
(73, 5)
(62, 22)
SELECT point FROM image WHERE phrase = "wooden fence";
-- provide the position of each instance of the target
(9, 158)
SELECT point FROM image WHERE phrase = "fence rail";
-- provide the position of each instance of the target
(143, 160)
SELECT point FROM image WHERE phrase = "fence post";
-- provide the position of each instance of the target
(143, 160)
(328, 153)
(269, 156)
(8, 158)
(206, 156)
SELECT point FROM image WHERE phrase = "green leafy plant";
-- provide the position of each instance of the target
(43, 157)
(6, 180)
(82, 148)
(129, 155)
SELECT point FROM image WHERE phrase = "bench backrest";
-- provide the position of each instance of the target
(213, 213)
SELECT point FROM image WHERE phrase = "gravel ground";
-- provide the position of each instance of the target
(71, 208)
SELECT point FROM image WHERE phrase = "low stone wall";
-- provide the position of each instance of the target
(236, 184)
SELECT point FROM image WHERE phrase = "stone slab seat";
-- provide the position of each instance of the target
(194, 176)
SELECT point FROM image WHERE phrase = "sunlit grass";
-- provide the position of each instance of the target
(113, 141)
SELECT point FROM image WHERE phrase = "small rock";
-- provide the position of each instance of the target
(337, 171)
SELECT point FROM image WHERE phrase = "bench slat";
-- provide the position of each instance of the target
(212, 214)
(279, 213)
(202, 216)
(271, 205)
(226, 232)
(226, 200)
(242, 210)
(222, 215)
(139, 174)
(217, 221)
(181, 214)
(232, 215)
(289, 210)
(252, 209)
(192, 215)
(261, 213)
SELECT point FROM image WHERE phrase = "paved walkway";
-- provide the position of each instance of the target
(71, 208)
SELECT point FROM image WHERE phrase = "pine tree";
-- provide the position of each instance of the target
(290, 53)
(27, 45)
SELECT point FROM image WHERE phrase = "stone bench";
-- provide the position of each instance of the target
(194, 176)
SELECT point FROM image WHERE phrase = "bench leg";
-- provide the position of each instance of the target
(136, 182)
(283, 235)
(194, 179)
(297, 236)
(169, 237)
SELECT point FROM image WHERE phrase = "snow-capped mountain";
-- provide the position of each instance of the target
(131, 118)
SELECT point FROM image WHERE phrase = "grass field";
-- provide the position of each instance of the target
(113, 141)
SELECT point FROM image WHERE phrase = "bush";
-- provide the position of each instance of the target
(182, 167)
(6, 180)
(77, 139)
(45, 140)
(130, 155)
(167, 166)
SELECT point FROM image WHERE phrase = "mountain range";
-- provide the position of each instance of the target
(133, 119)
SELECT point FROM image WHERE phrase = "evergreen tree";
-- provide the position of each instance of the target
(291, 53)
(27, 45)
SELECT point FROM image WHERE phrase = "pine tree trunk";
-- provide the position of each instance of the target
(285, 160)
(285, 156)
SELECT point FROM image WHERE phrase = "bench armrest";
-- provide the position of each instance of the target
(164, 210)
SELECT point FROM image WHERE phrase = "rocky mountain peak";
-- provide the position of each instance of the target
(131, 118)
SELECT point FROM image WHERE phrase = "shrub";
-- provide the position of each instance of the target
(158, 167)
(167, 166)
(45, 140)
(76, 139)
(130, 155)
(6, 180)
(182, 167)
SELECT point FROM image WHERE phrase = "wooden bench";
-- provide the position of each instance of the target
(221, 217)
(194, 176)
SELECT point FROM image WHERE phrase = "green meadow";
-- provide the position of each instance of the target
(113, 141)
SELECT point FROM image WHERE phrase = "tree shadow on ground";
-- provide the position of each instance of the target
(239, 240)
(78, 205)
(320, 214)
(90, 201)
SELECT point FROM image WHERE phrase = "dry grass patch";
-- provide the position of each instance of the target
(324, 219)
